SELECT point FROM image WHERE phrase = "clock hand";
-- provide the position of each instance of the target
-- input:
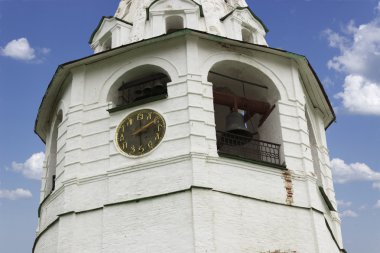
(143, 128)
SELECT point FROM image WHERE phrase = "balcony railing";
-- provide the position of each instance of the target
(247, 148)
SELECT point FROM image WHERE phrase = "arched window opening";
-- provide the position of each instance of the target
(174, 23)
(139, 86)
(247, 35)
(246, 117)
(107, 45)
(314, 151)
(52, 161)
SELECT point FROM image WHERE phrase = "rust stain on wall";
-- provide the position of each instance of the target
(289, 188)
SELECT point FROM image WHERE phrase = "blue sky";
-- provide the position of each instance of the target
(340, 38)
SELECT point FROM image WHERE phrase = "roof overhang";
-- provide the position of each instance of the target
(101, 23)
(251, 12)
(311, 81)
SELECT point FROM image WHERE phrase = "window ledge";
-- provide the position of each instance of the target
(269, 164)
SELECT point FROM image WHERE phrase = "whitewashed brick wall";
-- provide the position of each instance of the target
(107, 202)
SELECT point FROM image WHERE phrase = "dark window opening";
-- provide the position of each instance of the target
(246, 117)
(108, 44)
(247, 35)
(239, 136)
(174, 23)
(141, 91)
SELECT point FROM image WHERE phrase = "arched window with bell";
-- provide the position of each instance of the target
(141, 85)
(246, 116)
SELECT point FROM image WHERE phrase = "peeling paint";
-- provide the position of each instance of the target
(289, 188)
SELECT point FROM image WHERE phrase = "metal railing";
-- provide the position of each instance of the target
(247, 148)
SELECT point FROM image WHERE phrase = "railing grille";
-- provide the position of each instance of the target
(248, 148)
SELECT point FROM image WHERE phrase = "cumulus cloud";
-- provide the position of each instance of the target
(359, 59)
(360, 95)
(336, 40)
(32, 167)
(19, 49)
(344, 173)
(15, 194)
(349, 214)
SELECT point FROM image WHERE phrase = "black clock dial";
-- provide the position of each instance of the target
(140, 132)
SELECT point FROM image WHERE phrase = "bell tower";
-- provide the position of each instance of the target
(185, 132)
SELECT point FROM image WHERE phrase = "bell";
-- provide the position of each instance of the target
(235, 125)
(158, 87)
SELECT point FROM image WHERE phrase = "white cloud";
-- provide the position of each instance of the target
(344, 173)
(31, 168)
(359, 59)
(377, 205)
(336, 40)
(342, 203)
(349, 213)
(19, 49)
(15, 194)
(360, 95)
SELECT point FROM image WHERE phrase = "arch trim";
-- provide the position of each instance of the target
(231, 56)
(159, 62)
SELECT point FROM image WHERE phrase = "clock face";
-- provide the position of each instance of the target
(140, 132)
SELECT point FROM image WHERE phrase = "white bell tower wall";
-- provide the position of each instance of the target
(185, 196)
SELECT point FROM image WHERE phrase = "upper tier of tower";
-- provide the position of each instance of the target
(137, 20)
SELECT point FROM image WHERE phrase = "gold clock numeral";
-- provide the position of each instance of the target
(150, 145)
(141, 149)
(140, 116)
(124, 145)
(133, 149)
(159, 126)
(157, 136)
(122, 129)
(129, 122)
(149, 117)
(121, 138)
